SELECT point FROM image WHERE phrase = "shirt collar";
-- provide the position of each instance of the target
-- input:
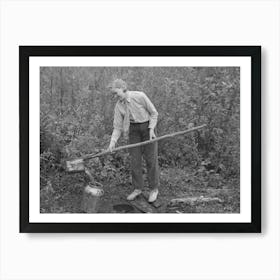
(127, 98)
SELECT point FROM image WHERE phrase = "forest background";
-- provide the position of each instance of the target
(76, 118)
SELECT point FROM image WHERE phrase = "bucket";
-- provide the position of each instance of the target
(91, 198)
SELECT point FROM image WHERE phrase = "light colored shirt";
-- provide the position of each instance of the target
(141, 110)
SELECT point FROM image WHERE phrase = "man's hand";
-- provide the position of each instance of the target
(152, 134)
(112, 146)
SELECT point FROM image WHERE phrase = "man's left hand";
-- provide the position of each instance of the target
(152, 134)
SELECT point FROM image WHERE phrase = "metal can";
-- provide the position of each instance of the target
(91, 197)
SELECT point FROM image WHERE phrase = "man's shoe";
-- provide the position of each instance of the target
(134, 194)
(153, 195)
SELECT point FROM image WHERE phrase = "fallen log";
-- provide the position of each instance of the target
(194, 200)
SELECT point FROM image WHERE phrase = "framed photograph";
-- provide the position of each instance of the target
(140, 139)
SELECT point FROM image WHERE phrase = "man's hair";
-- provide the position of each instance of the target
(119, 83)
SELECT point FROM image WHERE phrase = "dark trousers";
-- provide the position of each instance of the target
(139, 133)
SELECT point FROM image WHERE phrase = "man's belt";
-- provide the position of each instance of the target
(132, 122)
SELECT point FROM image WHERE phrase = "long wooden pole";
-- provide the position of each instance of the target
(143, 143)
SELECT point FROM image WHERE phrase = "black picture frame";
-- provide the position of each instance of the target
(254, 52)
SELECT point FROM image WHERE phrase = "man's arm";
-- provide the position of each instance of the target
(118, 124)
(115, 136)
(152, 111)
(153, 115)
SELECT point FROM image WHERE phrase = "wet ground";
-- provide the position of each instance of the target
(174, 183)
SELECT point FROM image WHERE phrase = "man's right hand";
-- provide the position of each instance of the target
(111, 146)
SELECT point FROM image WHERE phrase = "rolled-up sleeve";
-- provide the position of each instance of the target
(152, 111)
(117, 124)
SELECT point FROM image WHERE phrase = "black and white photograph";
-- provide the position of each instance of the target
(141, 137)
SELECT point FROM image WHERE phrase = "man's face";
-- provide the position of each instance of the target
(118, 92)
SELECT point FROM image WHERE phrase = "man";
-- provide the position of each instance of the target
(136, 116)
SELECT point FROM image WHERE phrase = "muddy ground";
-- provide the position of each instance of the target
(63, 192)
